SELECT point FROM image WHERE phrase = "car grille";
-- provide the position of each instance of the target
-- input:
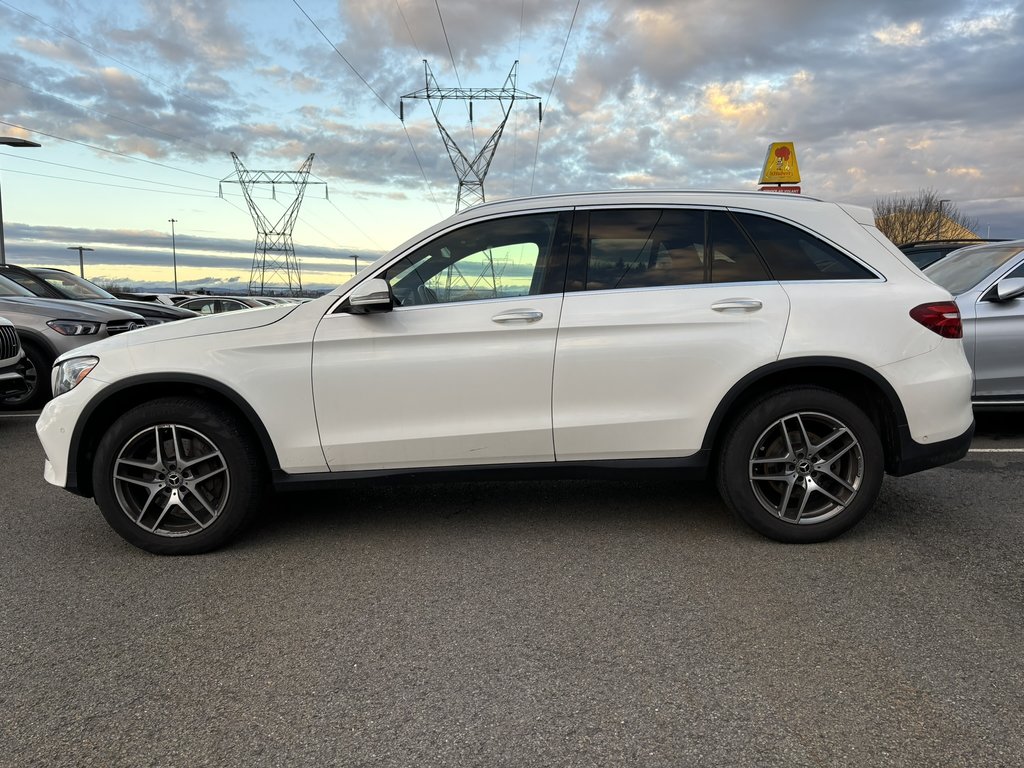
(120, 326)
(9, 345)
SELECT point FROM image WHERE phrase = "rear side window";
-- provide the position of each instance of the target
(793, 254)
(644, 248)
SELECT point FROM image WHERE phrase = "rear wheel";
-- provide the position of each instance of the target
(177, 476)
(801, 465)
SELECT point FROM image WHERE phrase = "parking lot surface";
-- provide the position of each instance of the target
(623, 622)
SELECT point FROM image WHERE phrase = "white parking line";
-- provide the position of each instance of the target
(996, 450)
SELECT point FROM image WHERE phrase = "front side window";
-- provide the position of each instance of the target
(500, 258)
(793, 254)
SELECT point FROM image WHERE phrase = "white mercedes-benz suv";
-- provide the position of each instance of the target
(778, 343)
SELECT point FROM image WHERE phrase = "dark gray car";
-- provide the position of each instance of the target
(49, 327)
(987, 282)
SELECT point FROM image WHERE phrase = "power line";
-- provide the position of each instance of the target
(565, 45)
(455, 67)
(108, 151)
(117, 186)
(350, 66)
(103, 173)
(379, 97)
(104, 114)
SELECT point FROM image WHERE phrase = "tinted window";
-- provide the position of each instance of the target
(964, 269)
(734, 258)
(793, 254)
(643, 248)
(494, 259)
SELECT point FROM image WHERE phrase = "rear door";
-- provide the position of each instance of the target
(999, 344)
(665, 310)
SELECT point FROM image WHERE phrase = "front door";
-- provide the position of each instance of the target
(459, 372)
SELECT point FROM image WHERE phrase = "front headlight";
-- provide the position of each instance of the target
(74, 327)
(70, 373)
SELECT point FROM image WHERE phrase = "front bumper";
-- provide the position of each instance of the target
(916, 457)
(12, 383)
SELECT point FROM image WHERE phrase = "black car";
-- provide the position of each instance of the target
(925, 252)
(61, 284)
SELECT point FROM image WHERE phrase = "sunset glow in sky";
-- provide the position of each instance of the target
(138, 104)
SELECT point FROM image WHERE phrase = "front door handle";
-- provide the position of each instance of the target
(518, 316)
(737, 305)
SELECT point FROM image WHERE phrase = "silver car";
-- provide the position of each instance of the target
(987, 282)
(48, 328)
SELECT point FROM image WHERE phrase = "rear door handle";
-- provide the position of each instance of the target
(737, 305)
(518, 316)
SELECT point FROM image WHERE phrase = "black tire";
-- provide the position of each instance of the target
(188, 457)
(801, 465)
(35, 367)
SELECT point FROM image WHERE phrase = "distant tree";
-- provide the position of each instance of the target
(113, 287)
(910, 218)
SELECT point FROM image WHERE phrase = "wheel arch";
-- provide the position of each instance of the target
(856, 381)
(133, 391)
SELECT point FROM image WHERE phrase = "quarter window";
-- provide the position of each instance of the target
(494, 259)
(793, 254)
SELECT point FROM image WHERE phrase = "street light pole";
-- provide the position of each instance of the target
(174, 254)
(10, 141)
(81, 258)
(938, 222)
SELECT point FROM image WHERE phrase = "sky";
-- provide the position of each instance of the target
(138, 105)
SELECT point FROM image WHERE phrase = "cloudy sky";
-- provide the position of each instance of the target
(138, 104)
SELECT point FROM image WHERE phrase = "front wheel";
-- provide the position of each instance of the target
(177, 476)
(802, 464)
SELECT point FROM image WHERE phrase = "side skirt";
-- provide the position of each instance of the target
(693, 467)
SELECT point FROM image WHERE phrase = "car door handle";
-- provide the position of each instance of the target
(737, 305)
(519, 316)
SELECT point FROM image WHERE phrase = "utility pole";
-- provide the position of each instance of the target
(10, 141)
(174, 254)
(81, 258)
(355, 269)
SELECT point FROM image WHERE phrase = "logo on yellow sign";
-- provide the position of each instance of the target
(780, 164)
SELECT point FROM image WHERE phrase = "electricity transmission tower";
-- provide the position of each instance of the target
(273, 261)
(471, 173)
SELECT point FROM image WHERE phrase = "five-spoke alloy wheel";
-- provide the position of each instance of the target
(801, 465)
(177, 476)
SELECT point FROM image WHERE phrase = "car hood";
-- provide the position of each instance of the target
(68, 309)
(147, 308)
(203, 325)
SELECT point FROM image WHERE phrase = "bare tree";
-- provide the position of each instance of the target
(924, 216)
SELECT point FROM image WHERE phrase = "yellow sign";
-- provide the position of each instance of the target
(780, 164)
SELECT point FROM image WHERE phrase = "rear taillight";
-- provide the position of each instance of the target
(943, 317)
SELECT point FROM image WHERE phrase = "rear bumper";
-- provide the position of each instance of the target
(916, 457)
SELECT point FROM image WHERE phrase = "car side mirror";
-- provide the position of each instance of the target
(370, 296)
(1010, 288)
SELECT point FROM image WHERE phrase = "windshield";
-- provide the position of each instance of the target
(73, 285)
(11, 288)
(964, 269)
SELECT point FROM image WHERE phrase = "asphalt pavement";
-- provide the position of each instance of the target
(579, 623)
